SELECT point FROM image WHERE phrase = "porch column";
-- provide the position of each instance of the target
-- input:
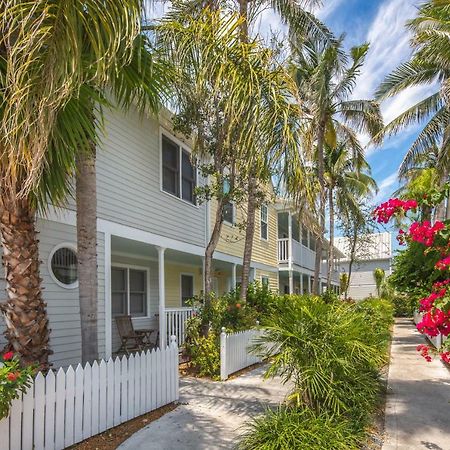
(108, 310)
(290, 259)
(233, 276)
(162, 298)
(291, 282)
(301, 283)
(203, 277)
(252, 275)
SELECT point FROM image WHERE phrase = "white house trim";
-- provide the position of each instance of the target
(108, 311)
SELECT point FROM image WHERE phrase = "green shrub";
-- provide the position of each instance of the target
(204, 352)
(380, 314)
(324, 350)
(292, 428)
(404, 305)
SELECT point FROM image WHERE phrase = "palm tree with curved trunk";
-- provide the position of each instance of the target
(56, 60)
(347, 177)
(326, 76)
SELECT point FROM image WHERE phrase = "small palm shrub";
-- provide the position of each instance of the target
(299, 428)
(324, 351)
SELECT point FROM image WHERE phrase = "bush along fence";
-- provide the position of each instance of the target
(234, 351)
(61, 409)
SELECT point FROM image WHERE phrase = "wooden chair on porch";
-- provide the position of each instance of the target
(132, 340)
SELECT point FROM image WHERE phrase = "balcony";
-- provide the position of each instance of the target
(301, 255)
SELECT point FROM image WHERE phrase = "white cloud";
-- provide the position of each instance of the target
(385, 187)
(327, 9)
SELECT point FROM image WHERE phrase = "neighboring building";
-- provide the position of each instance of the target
(151, 240)
(375, 252)
(297, 253)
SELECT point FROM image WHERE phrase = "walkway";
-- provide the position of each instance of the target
(418, 400)
(211, 414)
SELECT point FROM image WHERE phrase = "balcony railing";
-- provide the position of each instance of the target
(283, 250)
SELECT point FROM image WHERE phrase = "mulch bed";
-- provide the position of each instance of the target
(112, 438)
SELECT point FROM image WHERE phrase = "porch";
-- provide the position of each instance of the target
(149, 282)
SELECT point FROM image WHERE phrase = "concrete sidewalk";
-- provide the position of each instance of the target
(418, 400)
(211, 414)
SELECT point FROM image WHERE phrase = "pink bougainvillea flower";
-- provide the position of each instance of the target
(386, 210)
(425, 232)
(8, 356)
(446, 357)
(443, 263)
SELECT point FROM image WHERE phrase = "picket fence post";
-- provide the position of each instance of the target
(223, 355)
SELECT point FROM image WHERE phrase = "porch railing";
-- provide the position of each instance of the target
(176, 322)
(283, 250)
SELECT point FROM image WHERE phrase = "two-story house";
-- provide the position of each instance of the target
(152, 236)
(297, 254)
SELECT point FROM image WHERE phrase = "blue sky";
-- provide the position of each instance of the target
(382, 24)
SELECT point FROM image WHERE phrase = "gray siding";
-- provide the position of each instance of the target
(62, 304)
(140, 322)
(362, 283)
(128, 182)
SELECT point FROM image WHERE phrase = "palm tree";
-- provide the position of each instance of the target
(49, 97)
(232, 97)
(325, 80)
(302, 23)
(430, 62)
(347, 177)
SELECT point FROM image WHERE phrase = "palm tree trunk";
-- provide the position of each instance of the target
(27, 327)
(350, 264)
(321, 179)
(249, 236)
(86, 195)
(331, 246)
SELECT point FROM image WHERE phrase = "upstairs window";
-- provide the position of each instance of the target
(305, 236)
(178, 173)
(264, 222)
(228, 213)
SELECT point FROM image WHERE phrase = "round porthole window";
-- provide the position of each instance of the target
(63, 266)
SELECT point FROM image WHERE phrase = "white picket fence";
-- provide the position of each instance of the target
(176, 322)
(63, 409)
(234, 351)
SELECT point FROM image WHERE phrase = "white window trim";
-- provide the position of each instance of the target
(187, 274)
(182, 146)
(71, 246)
(131, 266)
(261, 222)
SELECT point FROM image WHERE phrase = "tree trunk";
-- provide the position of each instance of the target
(350, 264)
(209, 252)
(86, 195)
(249, 236)
(331, 245)
(321, 179)
(27, 327)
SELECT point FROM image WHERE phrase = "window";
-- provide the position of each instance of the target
(187, 289)
(178, 173)
(305, 236)
(264, 223)
(295, 229)
(63, 266)
(312, 242)
(129, 291)
(265, 281)
(228, 213)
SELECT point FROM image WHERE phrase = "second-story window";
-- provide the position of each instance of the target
(178, 172)
(305, 236)
(228, 213)
(264, 222)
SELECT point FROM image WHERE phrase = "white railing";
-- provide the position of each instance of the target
(283, 250)
(234, 351)
(176, 322)
(59, 410)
